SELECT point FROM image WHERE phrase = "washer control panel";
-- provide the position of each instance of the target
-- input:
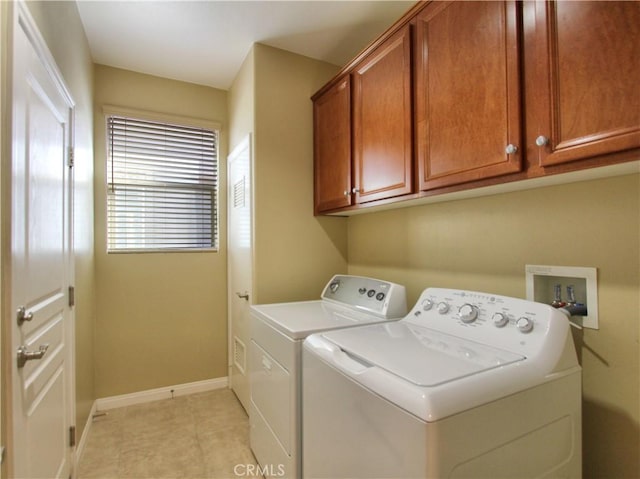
(500, 321)
(382, 298)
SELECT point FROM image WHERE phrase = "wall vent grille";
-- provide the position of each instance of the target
(239, 354)
(239, 193)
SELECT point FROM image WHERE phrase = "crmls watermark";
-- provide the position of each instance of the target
(272, 470)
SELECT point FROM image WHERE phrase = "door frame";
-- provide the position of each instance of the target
(5, 9)
(18, 16)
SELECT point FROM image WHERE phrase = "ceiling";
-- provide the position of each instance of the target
(205, 42)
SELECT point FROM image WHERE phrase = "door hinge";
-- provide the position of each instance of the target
(72, 436)
(2, 449)
(72, 296)
(71, 157)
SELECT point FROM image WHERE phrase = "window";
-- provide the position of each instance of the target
(162, 182)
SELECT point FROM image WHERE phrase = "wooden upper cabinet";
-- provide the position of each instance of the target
(438, 103)
(332, 147)
(468, 118)
(382, 121)
(587, 97)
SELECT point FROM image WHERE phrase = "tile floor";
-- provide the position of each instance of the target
(202, 435)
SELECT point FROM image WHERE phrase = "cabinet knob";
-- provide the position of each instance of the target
(542, 140)
(511, 149)
(346, 193)
(355, 190)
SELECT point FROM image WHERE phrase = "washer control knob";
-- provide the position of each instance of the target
(524, 324)
(443, 307)
(427, 304)
(371, 293)
(500, 320)
(380, 296)
(468, 313)
(362, 290)
(334, 285)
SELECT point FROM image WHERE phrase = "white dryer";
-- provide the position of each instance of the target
(277, 333)
(467, 385)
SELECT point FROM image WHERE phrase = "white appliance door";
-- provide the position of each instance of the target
(422, 356)
(42, 372)
(297, 320)
(427, 373)
(350, 432)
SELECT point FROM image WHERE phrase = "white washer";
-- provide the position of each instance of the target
(467, 385)
(277, 333)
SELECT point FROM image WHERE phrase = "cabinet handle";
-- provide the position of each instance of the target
(355, 190)
(542, 140)
(511, 149)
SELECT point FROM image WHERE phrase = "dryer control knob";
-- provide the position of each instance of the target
(500, 320)
(443, 308)
(467, 313)
(524, 324)
(427, 304)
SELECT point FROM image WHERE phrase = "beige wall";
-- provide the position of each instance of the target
(483, 244)
(242, 102)
(295, 253)
(161, 317)
(59, 23)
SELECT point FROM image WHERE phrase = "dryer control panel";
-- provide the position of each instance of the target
(382, 298)
(514, 324)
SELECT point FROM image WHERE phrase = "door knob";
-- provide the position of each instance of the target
(24, 355)
(22, 315)
(244, 296)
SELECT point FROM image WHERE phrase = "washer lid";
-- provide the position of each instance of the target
(420, 355)
(297, 320)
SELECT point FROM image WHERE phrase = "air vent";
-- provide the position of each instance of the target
(239, 354)
(239, 193)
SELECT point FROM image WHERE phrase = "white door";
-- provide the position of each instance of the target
(239, 264)
(40, 261)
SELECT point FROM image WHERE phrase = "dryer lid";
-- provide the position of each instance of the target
(422, 356)
(297, 320)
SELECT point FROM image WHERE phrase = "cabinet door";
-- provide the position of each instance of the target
(468, 93)
(587, 79)
(332, 147)
(383, 153)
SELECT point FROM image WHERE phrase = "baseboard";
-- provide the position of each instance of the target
(168, 392)
(85, 434)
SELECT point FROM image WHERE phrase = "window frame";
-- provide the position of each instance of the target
(144, 115)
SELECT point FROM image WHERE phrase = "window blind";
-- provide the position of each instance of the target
(162, 182)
